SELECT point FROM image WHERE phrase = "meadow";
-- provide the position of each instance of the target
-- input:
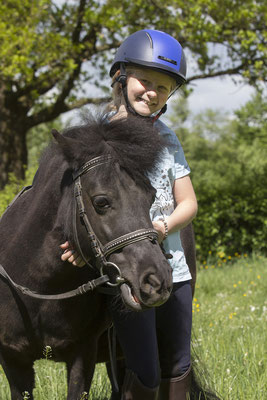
(229, 335)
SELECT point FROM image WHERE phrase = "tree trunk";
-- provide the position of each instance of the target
(13, 130)
(13, 150)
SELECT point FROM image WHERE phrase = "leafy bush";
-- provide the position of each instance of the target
(229, 171)
(13, 188)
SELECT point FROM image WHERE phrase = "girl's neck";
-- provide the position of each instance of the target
(121, 113)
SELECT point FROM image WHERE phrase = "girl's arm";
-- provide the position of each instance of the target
(185, 211)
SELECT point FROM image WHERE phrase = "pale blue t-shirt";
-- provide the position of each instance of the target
(173, 166)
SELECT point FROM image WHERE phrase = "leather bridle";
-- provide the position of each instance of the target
(100, 251)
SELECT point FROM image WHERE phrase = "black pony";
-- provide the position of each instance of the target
(91, 188)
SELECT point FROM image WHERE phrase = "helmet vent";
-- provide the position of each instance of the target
(168, 60)
(150, 39)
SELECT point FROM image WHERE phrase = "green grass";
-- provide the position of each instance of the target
(229, 336)
(230, 310)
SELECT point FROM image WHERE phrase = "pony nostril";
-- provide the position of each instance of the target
(153, 281)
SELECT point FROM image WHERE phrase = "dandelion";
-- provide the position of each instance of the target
(245, 295)
(234, 285)
(231, 315)
(239, 282)
(258, 277)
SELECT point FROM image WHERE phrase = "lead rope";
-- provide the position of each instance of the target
(86, 287)
(112, 348)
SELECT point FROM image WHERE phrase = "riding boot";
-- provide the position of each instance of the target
(177, 388)
(133, 389)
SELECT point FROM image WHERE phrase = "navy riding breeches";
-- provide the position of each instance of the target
(156, 342)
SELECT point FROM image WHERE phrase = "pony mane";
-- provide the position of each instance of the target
(134, 142)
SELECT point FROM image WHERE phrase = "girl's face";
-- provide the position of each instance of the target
(148, 90)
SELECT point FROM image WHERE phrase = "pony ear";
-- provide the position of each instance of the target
(69, 147)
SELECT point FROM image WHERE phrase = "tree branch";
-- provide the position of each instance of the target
(229, 71)
(52, 112)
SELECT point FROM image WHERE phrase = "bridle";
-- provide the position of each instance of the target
(100, 251)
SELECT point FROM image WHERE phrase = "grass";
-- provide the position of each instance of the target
(229, 335)
(230, 310)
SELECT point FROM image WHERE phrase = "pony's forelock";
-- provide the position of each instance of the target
(134, 142)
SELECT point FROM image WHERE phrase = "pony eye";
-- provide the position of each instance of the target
(101, 203)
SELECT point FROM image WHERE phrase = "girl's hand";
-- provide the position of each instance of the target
(71, 255)
(160, 228)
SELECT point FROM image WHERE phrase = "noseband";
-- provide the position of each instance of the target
(100, 251)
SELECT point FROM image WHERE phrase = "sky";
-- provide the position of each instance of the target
(218, 93)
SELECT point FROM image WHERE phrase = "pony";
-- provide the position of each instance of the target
(91, 188)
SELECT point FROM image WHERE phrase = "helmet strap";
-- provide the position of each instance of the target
(162, 111)
(122, 79)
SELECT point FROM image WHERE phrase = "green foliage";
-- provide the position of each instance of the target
(229, 169)
(13, 188)
(38, 138)
(43, 44)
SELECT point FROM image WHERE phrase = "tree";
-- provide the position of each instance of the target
(49, 53)
(229, 169)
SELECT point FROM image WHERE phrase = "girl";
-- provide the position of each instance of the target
(148, 68)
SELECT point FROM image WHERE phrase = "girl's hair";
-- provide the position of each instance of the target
(116, 92)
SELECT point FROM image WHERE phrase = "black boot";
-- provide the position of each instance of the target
(133, 389)
(176, 388)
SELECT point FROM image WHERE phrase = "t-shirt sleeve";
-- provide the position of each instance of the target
(175, 150)
(181, 166)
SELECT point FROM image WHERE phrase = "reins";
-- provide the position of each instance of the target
(87, 287)
(100, 252)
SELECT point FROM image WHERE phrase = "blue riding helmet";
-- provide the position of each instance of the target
(153, 49)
